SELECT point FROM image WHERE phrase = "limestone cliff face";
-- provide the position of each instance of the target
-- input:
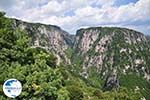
(108, 49)
(49, 37)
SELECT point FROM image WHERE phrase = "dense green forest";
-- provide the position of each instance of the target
(41, 78)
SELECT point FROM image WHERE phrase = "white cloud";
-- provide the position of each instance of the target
(133, 12)
(82, 12)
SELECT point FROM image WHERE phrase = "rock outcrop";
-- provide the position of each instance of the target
(108, 48)
(49, 37)
(100, 48)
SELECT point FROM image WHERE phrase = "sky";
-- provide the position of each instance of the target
(72, 15)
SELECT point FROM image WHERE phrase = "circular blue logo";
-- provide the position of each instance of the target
(12, 88)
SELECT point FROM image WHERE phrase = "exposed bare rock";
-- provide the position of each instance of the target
(50, 37)
(100, 48)
(106, 48)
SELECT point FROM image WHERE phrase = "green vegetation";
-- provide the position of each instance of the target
(132, 81)
(69, 52)
(42, 79)
(82, 89)
(95, 78)
(34, 67)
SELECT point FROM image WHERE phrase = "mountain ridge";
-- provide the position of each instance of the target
(95, 63)
(62, 44)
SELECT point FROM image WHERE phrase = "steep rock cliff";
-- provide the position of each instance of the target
(110, 49)
(104, 49)
(49, 37)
